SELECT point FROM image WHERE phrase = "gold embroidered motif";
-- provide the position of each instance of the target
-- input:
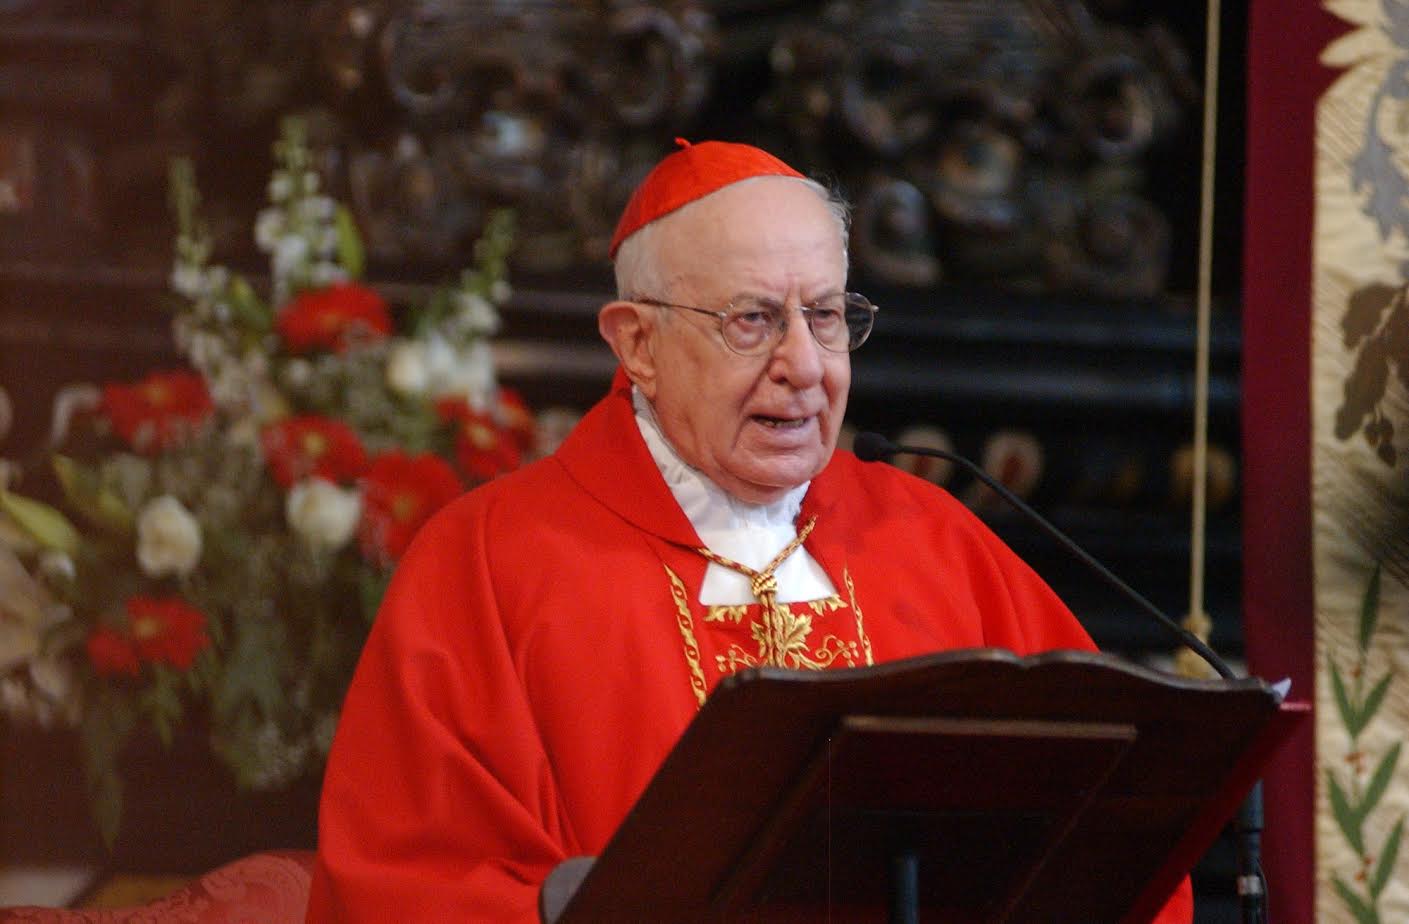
(856, 608)
(734, 614)
(782, 630)
(686, 622)
(826, 604)
(781, 634)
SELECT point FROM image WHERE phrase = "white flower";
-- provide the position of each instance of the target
(56, 565)
(188, 279)
(256, 363)
(476, 314)
(440, 360)
(328, 242)
(469, 375)
(297, 372)
(55, 696)
(407, 369)
(324, 273)
(289, 254)
(168, 538)
(268, 402)
(207, 350)
(317, 208)
(244, 432)
(69, 403)
(500, 291)
(216, 279)
(268, 228)
(322, 513)
(281, 186)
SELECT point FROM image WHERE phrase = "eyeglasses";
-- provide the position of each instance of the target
(752, 326)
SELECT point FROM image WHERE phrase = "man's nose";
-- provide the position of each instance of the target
(797, 358)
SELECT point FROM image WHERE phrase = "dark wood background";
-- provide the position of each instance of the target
(1079, 334)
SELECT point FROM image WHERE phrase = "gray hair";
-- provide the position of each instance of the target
(639, 269)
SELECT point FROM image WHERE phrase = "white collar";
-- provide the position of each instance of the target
(750, 534)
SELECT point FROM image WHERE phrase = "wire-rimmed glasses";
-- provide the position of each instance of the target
(752, 326)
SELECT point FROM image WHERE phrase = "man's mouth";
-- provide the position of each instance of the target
(781, 423)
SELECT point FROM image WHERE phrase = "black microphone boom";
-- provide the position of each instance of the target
(872, 447)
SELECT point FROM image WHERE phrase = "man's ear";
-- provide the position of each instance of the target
(630, 330)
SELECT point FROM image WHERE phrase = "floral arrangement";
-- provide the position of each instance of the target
(220, 537)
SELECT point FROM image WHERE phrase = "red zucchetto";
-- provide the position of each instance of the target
(691, 173)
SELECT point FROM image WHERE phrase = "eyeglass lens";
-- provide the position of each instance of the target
(839, 324)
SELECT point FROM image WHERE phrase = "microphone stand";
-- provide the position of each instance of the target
(873, 447)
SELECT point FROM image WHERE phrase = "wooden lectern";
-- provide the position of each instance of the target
(972, 786)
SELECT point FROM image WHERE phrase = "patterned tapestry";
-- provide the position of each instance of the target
(1360, 465)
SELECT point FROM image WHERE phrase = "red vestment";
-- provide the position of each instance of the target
(542, 647)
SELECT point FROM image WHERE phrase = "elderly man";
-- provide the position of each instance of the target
(549, 636)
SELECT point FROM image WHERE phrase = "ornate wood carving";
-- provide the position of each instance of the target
(999, 142)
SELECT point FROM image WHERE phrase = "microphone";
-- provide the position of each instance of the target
(873, 447)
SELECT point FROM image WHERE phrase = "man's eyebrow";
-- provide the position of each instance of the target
(774, 301)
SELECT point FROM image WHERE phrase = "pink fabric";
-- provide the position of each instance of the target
(263, 888)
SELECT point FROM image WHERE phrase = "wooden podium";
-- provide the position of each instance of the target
(975, 786)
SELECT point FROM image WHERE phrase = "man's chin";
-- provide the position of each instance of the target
(765, 484)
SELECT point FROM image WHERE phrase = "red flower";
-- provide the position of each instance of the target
(483, 448)
(517, 419)
(334, 318)
(399, 493)
(299, 447)
(112, 653)
(158, 411)
(164, 630)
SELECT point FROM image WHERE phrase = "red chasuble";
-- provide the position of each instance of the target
(542, 647)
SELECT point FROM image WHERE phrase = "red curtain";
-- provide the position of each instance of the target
(1285, 80)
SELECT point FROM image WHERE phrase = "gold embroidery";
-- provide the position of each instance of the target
(781, 635)
(734, 614)
(856, 608)
(687, 632)
(826, 605)
(782, 631)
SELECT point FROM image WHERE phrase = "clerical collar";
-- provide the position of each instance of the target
(747, 533)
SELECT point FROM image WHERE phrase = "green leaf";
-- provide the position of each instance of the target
(162, 703)
(246, 305)
(1363, 912)
(1372, 703)
(1348, 819)
(107, 724)
(252, 674)
(372, 586)
(1350, 717)
(43, 523)
(84, 489)
(1385, 866)
(1370, 610)
(351, 254)
(105, 802)
(1379, 781)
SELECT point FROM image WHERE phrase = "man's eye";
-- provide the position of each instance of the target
(826, 317)
(754, 318)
